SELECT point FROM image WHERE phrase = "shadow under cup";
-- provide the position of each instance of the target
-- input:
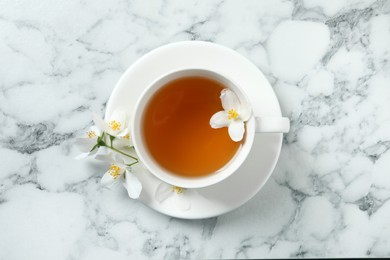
(170, 177)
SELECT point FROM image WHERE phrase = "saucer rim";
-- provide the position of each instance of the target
(277, 112)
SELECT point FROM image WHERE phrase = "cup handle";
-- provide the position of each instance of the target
(272, 124)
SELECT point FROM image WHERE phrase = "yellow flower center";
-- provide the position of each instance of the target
(114, 171)
(178, 190)
(127, 137)
(91, 134)
(115, 125)
(232, 114)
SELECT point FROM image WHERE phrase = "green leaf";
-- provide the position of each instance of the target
(112, 138)
(93, 148)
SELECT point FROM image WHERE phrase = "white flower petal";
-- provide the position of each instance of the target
(128, 160)
(124, 139)
(121, 142)
(82, 156)
(85, 155)
(183, 202)
(96, 130)
(104, 154)
(107, 179)
(236, 130)
(119, 116)
(245, 111)
(229, 100)
(132, 185)
(118, 158)
(219, 119)
(113, 157)
(105, 157)
(85, 144)
(100, 122)
(124, 132)
(163, 191)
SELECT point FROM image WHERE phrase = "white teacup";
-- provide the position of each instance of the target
(253, 125)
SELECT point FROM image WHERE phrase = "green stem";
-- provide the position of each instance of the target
(111, 139)
(125, 154)
(102, 143)
(131, 164)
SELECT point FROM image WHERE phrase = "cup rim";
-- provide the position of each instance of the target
(171, 178)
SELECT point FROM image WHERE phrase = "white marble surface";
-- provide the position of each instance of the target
(328, 62)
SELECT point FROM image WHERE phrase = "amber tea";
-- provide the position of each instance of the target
(177, 132)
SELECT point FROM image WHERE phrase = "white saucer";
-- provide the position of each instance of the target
(252, 175)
